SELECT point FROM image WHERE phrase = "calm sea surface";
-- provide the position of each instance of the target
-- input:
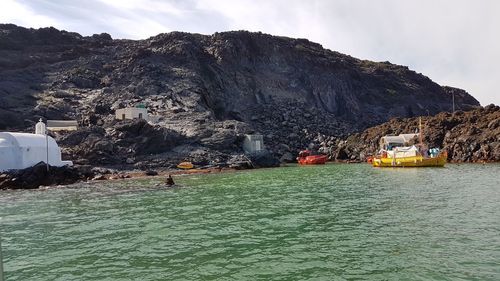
(331, 222)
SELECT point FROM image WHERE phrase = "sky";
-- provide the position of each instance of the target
(454, 42)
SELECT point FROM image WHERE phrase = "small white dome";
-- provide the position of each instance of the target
(21, 150)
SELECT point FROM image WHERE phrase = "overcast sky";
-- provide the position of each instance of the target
(454, 42)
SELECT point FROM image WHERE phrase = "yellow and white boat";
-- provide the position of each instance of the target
(395, 151)
(410, 161)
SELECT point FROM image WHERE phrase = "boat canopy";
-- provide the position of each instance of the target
(408, 137)
(389, 142)
(403, 151)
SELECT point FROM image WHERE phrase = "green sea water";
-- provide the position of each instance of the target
(331, 222)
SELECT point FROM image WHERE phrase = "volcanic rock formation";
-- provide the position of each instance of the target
(471, 136)
(206, 91)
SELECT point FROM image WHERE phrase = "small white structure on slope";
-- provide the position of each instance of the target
(62, 125)
(131, 113)
(23, 150)
(253, 143)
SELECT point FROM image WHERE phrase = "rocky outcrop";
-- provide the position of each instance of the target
(262, 159)
(38, 175)
(205, 90)
(118, 143)
(467, 136)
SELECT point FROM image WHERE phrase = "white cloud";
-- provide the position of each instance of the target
(144, 5)
(454, 42)
(14, 12)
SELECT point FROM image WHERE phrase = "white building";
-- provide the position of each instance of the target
(62, 125)
(23, 150)
(253, 143)
(131, 113)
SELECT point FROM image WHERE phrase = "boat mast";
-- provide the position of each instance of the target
(420, 131)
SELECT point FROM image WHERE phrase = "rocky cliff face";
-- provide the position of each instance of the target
(471, 136)
(205, 90)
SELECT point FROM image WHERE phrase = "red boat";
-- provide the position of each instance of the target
(369, 159)
(305, 158)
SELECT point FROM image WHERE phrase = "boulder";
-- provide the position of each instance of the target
(239, 162)
(263, 159)
(222, 139)
(287, 158)
(98, 177)
(151, 173)
(38, 175)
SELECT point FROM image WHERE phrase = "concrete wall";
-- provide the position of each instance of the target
(253, 143)
(131, 113)
(62, 125)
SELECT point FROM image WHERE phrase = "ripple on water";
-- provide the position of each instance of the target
(332, 222)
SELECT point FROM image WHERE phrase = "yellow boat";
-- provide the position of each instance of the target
(411, 161)
(396, 151)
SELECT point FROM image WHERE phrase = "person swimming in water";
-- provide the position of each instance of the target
(169, 181)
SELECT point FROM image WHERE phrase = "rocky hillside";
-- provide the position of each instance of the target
(206, 91)
(471, 136)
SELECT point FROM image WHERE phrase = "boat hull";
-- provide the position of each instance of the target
(414, 161)
(312, 160)
(185, 165)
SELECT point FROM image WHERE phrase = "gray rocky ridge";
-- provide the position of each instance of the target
(207, 91)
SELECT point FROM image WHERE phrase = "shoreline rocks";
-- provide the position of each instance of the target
(36, 176)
